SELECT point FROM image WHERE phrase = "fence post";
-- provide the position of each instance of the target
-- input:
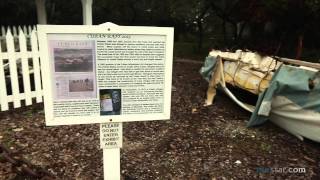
(13, 70)
(25, 67)
(36, 65)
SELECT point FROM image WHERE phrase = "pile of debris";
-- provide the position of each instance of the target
(288, 90)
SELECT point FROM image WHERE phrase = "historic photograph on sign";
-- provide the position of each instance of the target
(80, 85)
(73, 63)
(110, 101)
(73, 60)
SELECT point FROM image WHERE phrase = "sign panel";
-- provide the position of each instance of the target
(99, 74)
(111, 135)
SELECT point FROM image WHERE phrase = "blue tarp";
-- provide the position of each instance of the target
(298, 85)
(208, 67)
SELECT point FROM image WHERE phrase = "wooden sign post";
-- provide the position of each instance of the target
(111, 142)
(106, 74)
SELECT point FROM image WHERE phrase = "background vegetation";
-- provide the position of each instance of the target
(287, 28)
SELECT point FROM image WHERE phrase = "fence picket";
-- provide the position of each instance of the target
(25, 68)
(19, 60)
(14, 31)
(8, 29)
(19, 30)
(3, 91)
(13, 70)
(29, 29)
(36, 65)
(25, 29)
(3, 31)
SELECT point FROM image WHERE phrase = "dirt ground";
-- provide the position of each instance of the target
(210, 143)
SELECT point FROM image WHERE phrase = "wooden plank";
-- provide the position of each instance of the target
(3, 31)
(22, 96)
(13, 70)
(3, 91)
(111, 164)
(25, 68)
(25, 31)
(19, 30)
(36, 65)
(29, 54)
(299, 62)
(14, 31)
(29, 29)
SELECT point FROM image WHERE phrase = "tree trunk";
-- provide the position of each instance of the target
(224, 32)
(235, 32)
(200, 34)
(299, 47)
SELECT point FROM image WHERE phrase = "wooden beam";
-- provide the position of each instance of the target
(41, 11)
(298, 62)
(87, 12)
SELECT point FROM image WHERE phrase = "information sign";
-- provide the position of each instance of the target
(99, 74)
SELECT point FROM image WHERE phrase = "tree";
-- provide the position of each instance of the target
(18, 12)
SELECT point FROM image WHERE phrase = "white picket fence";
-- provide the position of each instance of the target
(15, 31)
(20, 76)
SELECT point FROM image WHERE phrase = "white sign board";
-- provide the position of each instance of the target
(111, 135)
(99, 74)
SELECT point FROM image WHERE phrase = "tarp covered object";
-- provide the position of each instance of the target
(289, 95)
(206, 69)
(292, 101)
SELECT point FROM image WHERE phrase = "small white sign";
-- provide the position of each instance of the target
(110, 135)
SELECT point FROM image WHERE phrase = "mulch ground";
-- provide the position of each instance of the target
(197, 143)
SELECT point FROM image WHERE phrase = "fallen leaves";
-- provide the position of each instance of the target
(197, 142)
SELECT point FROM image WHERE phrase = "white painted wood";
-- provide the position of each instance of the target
(25, 68)
(87, 11)
(41, 11)
(25, 30)
(19, 60)
(111, 164)
(22, 96)
(29, 29)
(19, 29)
(3, 31)
(111, 135)
(45, 33)
(14, 31)
(3, 91)
(36, 65)
(13, 69)
(29, 54)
